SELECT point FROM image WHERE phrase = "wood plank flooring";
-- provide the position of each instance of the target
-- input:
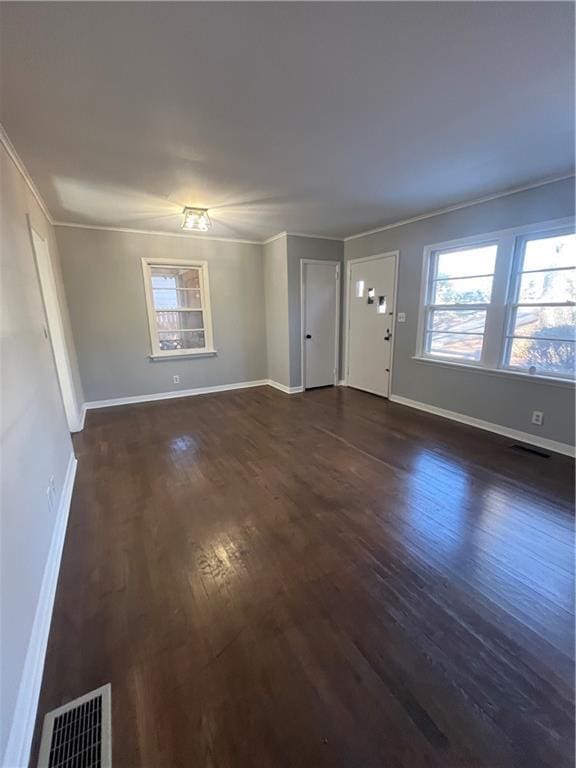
(316, 580)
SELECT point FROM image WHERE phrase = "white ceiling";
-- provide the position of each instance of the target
(316, 118)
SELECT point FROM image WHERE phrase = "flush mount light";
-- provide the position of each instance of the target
(196, 218)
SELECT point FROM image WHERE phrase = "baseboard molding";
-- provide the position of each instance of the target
(81, 419)
(284, 388)
(171, 395)
(17, 752)
(513, 434)
(342, 383)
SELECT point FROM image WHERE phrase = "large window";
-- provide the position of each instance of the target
(505, 301)
(460, 289)
(178, 303)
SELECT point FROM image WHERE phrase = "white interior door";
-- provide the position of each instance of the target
(371, 323)
(320, 303)
(56, 330)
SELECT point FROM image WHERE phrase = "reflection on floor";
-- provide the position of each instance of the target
(325, 579)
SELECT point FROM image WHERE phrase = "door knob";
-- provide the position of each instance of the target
(308, 336)
(388, 336)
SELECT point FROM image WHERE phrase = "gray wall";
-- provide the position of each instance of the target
(105, 289)
(34, 440)
(276, 299)
(505, 401)
(299, 248)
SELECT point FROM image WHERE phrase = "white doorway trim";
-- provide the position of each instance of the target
(336, 264)
(55, 329)
(386, 255)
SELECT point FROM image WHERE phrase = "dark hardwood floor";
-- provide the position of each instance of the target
(325, 579)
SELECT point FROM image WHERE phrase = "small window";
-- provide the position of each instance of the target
(178, 307)
(542, 310)
(459, 294)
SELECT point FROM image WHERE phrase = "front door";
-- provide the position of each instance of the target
(371, 316)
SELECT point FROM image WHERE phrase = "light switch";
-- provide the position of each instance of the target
(401, 317)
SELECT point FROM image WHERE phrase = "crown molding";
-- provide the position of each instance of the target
(274, 237)
(460, 206)
(161, 233)
(315, 237)
(17, 160)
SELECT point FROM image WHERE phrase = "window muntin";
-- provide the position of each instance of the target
(459, 292)
(178, 307)
(507, 300)
(541, 324)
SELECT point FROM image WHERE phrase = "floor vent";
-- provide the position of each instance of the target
(530, 449)
(78, 735)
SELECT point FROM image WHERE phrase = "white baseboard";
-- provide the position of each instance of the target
(284, 388)
(17, 752)
(81, 419)
(171, 395)
(342, 383)
(513, 434)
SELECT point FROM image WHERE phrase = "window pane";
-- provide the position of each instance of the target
(182, 340)
(469, 261)
(175, 277)
(548, 322)
(455, 345)
(466, 290)
(463, 320)
(545, 287)
(168, 321)
(177, 298)
(546, 356)
(549, 252)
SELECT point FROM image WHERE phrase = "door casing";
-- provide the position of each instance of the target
(337, 266)
(55, 328)
(388, 254)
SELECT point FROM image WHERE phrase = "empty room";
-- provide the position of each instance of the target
(287, 415)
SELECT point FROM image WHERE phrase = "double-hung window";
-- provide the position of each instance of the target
(178, 303)
(459, 293)
(503, 301)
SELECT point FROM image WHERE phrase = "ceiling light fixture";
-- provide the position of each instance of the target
(196, 218)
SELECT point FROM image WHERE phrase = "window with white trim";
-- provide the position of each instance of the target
(178, 303)
(542, 311)
(459, 294)
(503, 301)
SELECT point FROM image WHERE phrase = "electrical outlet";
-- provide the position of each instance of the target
(176, 379)
(538, 418)
(401, 317)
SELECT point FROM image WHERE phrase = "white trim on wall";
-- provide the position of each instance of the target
(55, 327)
(284, 388)
(17, 160)
(159, 232)
(488, 426)
(335, 264)
(17, 752)
(460, 206)
(187, 393)
(174, 394)
(386, 255)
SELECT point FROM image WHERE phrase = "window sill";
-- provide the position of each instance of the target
(499, 372)
(162, 356)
